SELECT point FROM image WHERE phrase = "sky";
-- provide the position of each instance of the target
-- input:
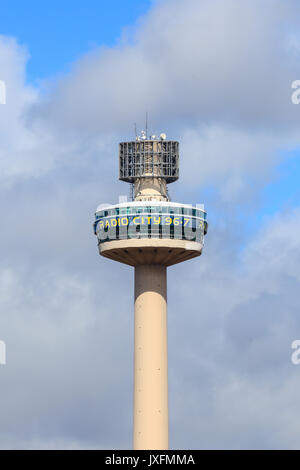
(57, 33)
(216, 75)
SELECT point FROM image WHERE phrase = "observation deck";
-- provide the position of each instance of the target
(150, 232)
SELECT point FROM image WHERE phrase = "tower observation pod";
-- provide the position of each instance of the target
(150, 233)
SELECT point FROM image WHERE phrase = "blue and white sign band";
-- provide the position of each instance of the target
(149, 225)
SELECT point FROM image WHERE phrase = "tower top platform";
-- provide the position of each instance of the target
(149, 159)
(150, 229)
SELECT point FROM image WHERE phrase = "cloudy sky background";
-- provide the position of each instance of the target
(215, 75)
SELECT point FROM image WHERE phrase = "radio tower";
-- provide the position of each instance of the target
(150, 233)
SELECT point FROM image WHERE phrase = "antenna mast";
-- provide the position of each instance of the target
(146, 124)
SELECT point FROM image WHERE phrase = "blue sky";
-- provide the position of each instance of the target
(215, 75)
(59, 32)
(284, 192)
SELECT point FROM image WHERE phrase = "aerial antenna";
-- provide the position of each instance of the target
(147, 124)
(135, 130)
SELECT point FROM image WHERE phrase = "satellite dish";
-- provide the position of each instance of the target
(163, 136)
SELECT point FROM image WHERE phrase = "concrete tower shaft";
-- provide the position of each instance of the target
(150, 188)
(150, 418)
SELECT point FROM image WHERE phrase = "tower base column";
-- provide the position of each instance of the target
(150, 425)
